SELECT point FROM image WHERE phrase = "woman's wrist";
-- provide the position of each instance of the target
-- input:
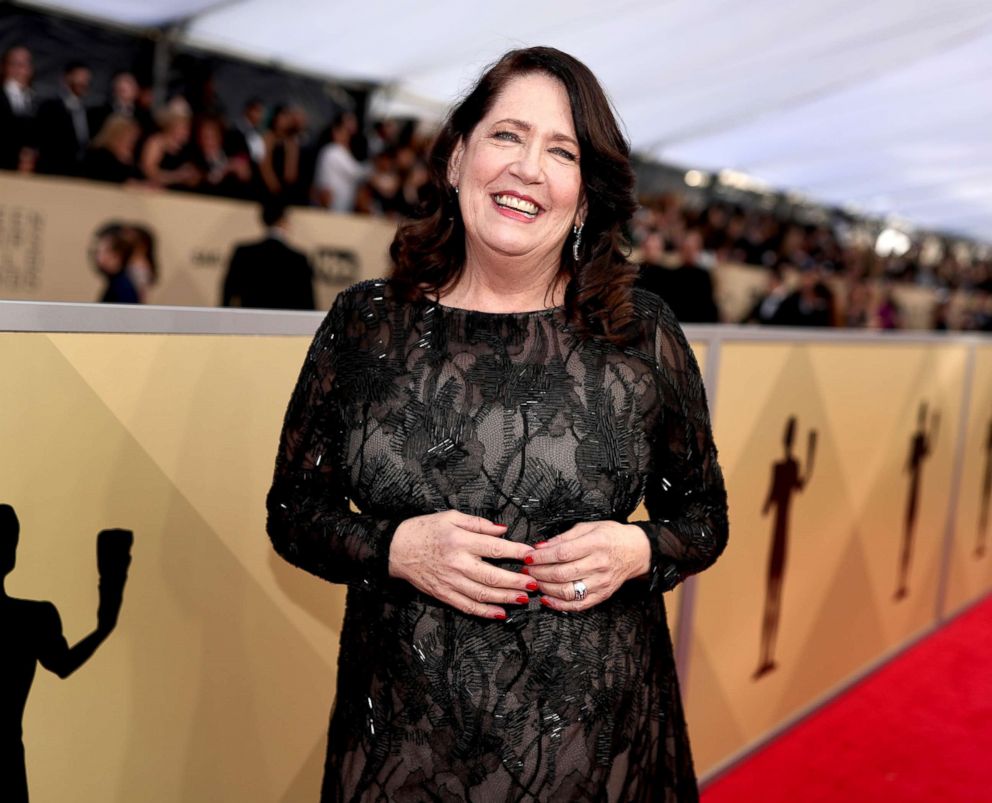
(640, 560)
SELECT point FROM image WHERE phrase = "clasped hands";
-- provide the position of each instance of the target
(444, 555)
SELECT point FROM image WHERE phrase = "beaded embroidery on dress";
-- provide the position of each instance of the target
(409, 409)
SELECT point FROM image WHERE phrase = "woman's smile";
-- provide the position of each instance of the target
(517, 207)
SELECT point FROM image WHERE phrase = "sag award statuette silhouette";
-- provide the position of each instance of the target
(786, 480)
(983, 515)
(32, 633)
(920, 448)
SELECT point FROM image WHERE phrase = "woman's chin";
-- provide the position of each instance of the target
(514, 247)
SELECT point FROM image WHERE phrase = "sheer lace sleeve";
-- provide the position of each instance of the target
(309, 519)
(685, 494)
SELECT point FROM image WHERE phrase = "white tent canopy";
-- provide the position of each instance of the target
(884, 106)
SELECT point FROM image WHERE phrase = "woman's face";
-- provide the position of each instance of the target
(283, 121)
(124, 143)
(178, 130)
(520, 187)
(209, 136)
(107, 259)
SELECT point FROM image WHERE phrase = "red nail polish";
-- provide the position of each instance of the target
(546, 602)
(498, 524)
(499, 615)
(525, 570)
(523, 599)
(529, 560)
(532, 586)
(540, 544)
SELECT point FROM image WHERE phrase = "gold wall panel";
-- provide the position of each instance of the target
(806, 593)
(970, 569)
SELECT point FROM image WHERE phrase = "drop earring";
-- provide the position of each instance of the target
(454, 203)
(577, 243)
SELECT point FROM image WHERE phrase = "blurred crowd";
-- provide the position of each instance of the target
(265, 152)
(818, 274)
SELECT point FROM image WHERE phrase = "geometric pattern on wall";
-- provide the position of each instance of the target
(216, 683)
(843, 531)
(970, 571)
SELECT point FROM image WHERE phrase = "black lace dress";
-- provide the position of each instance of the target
(409, 409)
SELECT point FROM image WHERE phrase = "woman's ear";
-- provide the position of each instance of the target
(455, 164)
(582, 212)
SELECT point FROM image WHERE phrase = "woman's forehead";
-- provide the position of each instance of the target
(535, 99)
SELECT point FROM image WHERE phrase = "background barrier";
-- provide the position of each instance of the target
(216, 682)
(47, 226)
(838, 535)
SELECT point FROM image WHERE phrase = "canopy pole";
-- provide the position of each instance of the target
(165, 46)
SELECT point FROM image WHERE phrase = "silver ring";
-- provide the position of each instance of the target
(580, 590)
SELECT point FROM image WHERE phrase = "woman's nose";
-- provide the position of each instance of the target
(529, 166)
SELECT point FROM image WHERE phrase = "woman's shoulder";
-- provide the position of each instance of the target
(374, 292)
(661, 334)
(369, 303)
(357, 312)
(653, 313)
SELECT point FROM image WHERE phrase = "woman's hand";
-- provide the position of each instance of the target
(442, 555)
(602, 554)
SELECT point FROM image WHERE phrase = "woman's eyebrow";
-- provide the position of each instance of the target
(523, 124)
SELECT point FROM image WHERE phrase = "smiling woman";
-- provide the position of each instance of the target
(496, 410)
(537, 127)
(520, 191)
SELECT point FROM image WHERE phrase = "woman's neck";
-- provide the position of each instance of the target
(506, 285)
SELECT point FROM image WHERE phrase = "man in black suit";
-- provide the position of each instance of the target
(269, 273)
(653, 275)
(17, 106)
(63, 130)
(811, 303)
(688, 288)
(122, 101)
(245, 136)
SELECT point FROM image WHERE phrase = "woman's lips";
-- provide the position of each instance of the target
(516, 206)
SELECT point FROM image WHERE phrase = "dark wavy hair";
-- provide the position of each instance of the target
(428, 251)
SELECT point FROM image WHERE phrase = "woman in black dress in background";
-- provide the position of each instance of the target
(496, 410)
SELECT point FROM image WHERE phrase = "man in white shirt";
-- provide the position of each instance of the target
(248, 130)
(338, 172)
(16, 105)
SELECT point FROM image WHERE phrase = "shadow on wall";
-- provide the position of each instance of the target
(983, 515)
(921, 446)
(787, 479)
(31, 633)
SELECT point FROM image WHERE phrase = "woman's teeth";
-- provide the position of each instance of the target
(517, 204)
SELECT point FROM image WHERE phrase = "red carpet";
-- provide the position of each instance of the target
(919, 730)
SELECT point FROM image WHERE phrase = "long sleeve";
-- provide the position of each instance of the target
(685, 494)
(309, 520)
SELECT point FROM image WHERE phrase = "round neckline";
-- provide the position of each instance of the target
(512, 314)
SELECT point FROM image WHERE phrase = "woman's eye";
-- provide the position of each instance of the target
(506, 136)
(564, 154)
